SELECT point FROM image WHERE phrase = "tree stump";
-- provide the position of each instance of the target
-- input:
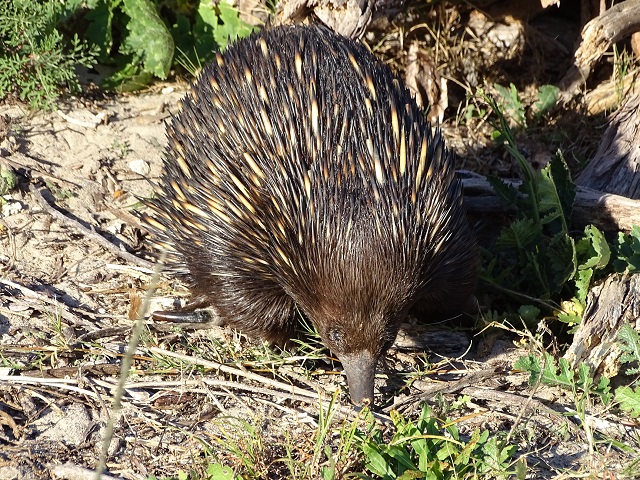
(614, 169)
(616, 166)
(609, 306)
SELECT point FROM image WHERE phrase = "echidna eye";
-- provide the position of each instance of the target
(335, 336)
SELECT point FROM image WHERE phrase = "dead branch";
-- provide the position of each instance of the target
(598, 35)
(87, 232)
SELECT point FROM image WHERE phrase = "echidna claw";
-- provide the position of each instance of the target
(204, 315)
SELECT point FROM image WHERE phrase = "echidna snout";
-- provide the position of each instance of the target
(301, 176)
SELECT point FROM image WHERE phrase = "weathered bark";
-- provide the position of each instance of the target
(609, 306)
(348, 17)
(616, 166)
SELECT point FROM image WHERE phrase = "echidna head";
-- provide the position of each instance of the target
(357, 296)
(359, 342)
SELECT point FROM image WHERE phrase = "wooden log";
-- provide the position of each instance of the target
(607, 211)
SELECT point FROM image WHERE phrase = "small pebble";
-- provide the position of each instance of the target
(140, 167)
(11, 208)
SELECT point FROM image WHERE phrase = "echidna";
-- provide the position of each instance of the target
(300, 173)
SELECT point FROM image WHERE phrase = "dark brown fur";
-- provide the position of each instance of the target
(300, 172)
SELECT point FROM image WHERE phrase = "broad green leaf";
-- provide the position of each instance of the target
(594, 249)
(529, 313)
(629, 400)
(219, 472)
(556, 194)
(99, 31)
(520, 235)
(376, 462)
(231, 26)
(547, 99)
(148, 38)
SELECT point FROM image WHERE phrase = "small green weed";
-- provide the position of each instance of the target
(8, 180)
(36, 63)
(433, 449)
(628, 397)
(214, 471)
(548, 371)
(622, 64)
(519, 114)
(511, 103)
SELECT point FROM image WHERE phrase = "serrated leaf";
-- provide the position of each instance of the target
(531, 364)
(560, 261)
(520, 235)
(582, 281)
(629, 400)
(604, 390)
(595, 248)
(507, 192)
(630, 346)
(556, 194)
(148, 38)
(627, 251)
(547, 99)
(497, 457)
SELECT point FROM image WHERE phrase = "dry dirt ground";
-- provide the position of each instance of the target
(69, 296)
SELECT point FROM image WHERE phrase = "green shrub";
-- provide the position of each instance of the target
(36, 64)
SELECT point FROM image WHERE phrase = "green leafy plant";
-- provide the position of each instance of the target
(36, 63)
(626, 251)
(41, 45)
(548, 371)
(628, 397)
(215, 471)
(434, 449)
(536, 254)
(196, 29)
(515, 109)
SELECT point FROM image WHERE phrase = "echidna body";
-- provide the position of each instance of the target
(301, 173)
